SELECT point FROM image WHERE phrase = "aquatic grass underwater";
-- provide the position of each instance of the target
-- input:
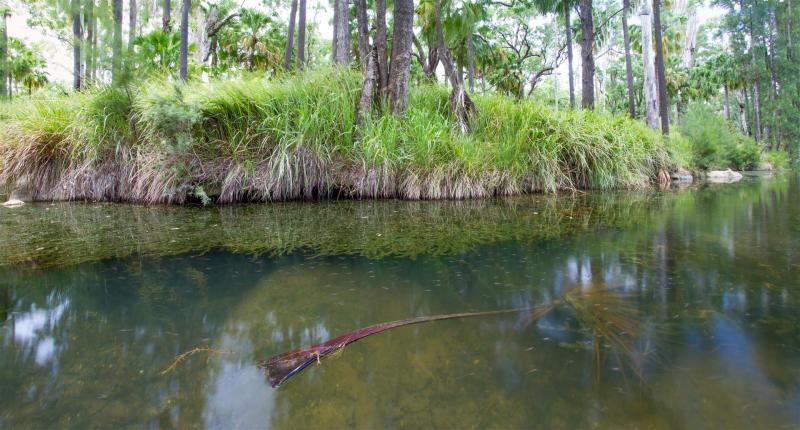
(293, 138)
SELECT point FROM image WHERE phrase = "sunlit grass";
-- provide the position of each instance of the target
(293, 138)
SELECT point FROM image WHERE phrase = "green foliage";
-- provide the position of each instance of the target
(681, 151)
(714, 143)
(293, 138)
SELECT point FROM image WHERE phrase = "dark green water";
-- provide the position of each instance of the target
(97, 300)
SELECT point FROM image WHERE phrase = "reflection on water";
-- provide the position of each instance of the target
(707, 275)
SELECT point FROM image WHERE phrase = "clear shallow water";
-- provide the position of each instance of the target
(97, 300)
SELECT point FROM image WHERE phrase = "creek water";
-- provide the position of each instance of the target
(677, 308)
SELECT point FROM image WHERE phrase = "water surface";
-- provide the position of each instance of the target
(96, 300)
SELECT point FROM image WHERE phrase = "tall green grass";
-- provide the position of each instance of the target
(293, 138)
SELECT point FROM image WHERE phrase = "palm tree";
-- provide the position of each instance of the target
(77, 40)
(626, 6)
(5, 13)
(184, 44)
(661, 78)
(253, 22)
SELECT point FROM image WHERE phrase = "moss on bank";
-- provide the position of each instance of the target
(250, 140)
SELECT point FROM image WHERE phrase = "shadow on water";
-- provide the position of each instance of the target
(694, 291)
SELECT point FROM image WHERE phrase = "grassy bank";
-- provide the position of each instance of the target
(248, 140)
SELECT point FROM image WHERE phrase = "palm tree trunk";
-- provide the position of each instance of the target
(363, 32)
(184, 44)
(301, 36)
(287, 55)
(3, 53)
(756, 80)
(470, 62)
(626, 6)
(568, 32)
(341, 33)
(77, 39)
(587, 54)
(131, 25)
(661, 79)
(650, 85)
(380, 47)
(166, 20)
(88, 48)
(461, 106)
(116, 56)
(401, 56)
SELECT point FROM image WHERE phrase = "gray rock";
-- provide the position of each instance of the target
(13, 203)
(723, 176)
(682, 175)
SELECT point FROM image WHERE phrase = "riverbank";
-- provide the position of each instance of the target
(293, 138)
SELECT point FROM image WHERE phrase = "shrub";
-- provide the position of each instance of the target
(714, 143)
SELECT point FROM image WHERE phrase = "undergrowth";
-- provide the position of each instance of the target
(292, 138)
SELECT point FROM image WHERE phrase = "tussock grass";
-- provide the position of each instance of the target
(292, 138)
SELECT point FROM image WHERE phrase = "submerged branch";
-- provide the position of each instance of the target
(184, 356)
(283, 366)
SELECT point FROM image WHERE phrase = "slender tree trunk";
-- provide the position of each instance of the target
(88, 48)
(341, 33)
(166, 20)
(380, 47)
(93, 70)
(568, 32)
(626, 6)
(301, 36)
(741, 101)
(461, 106)
(727, 107)
(116, 58)
(184, 44)
(756, 79)
(368, 90)
(661, 79)
(363, 32)
(650, 85)
(471, 62)
(132, 25)
(287, 55)
(3, 53)
(77, 40)
(587, 54)
(401, 55)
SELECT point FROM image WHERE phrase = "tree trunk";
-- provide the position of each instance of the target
(166, 20)
(471, 62)
(661, 79)
(3, 54)
(587, 54)
(369, 90)
(131, 25)
(727, 107)
(741, 99)
(690, 37)
(363, 32)
(461, 106)
(756, 80)
(88, 47)
(184, 44)
(401, 55)
(116, 55)
(287, 55)
(341, 33)
(77, 40)
(650, 86)
(301, 37)
(568, 32)
(626, 6)
(380, 47)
